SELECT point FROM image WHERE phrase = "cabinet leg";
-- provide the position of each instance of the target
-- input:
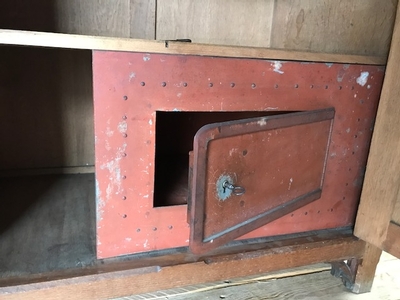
(358, 274)
(365, 271)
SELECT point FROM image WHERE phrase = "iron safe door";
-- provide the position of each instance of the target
(249, 172)
(146, 105)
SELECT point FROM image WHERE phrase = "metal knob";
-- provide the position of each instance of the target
(237, 190)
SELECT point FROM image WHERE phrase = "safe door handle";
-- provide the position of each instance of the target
(236, 190)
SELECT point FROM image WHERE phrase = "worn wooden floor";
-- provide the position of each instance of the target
(311, 283)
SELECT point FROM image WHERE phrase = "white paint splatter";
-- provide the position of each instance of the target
(277, 67)
(146, 244)
(269, 107)
(131, 76)
(290, 183)
(348, 130)
(128, 239)
(262, 122)
(362, 80)
(329, 65)
(146, 57)
(123, 126)
(109, 132)
(179, 95)
(150, 122)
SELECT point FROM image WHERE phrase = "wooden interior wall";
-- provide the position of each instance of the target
(47, 113)
(351, 27)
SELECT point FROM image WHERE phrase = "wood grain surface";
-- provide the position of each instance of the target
(382, 178)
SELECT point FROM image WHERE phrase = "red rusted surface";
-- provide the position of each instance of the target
(278, 161)
(130, 87)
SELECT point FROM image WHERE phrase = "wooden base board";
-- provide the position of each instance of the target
(298, 252)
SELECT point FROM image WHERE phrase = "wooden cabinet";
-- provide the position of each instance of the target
(140, 103)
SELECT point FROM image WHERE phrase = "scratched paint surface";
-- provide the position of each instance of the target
(130, 87)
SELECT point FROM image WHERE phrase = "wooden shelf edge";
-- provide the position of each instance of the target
(148, 279)
(73, 41)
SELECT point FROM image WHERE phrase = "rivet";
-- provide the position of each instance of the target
(125, 98)
(253, 85)
(170, 227)
(232, 84)
(124, 154)
(124, 135)
(138, 230)
(210, 84)
(164, 84)
(276, 86)
(154, 228)
(142, 83)
(124, 216)
(123, 197)
(185, 84)
(124, 117)
(123, 177)
(296, 86)
(311, 86)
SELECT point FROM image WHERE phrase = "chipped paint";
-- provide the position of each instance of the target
(122, 127)
(363, 78)
(179, 95)
(329, 65)
(150, 122)
(109, 132)
(290, 183)
(146, 57)
(176, 110)
(277, 67)
(271, 108)
(262, 122)
(100, 204)
(131, 76)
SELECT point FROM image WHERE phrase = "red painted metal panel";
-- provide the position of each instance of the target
(250, 172)
(129, 88)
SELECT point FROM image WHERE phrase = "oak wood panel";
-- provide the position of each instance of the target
(382, 178)
(93, 17)
(69, 41)
(357, 26)
(129, 282)
(231, 22)
(142, 19)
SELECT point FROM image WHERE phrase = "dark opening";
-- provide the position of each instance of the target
(174, 140)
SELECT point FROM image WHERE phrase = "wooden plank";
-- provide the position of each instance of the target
(190, 273)
(334, 26)
(392, 242)
(203, 290)
(46, 171)
(69, 41)
(47, 223)
(382, 178)
(93, 17)
(230, 22)
(316, 285)
(366, 269)
(143, 19)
